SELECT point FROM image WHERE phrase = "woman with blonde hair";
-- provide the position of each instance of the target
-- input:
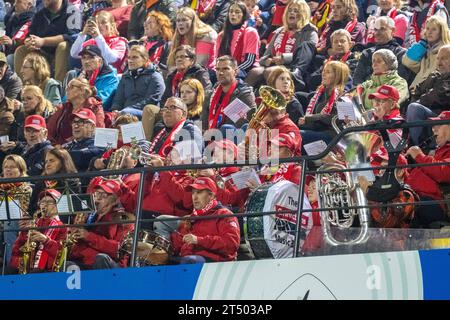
(421, 57)
(80, 94)
(280, 78)
(102, 32)
(192, 31)
(36, 71)
(14, 166)
(296, 35)
(316, 124)
(344, 15)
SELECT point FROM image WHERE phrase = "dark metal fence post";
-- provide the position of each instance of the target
(137, 217)
(298, 225)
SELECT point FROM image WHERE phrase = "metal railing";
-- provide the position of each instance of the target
(297, 159)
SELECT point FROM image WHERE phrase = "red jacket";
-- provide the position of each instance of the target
(164, 193)
(218, 239)
(60, 123)
(286, 125)
(101, 239)
(50, 248)
(425, 180)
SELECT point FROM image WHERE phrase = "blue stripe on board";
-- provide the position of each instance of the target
(168, 282)
(435, 274)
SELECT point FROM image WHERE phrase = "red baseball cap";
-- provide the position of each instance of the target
(110, 186)
(55, 194)
(444, 115)
(85, 114)
(36, 122)
(227, 145)
(203, 183)
(385, 92)
(285, 140)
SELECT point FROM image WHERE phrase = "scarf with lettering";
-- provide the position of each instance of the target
(216, 114)
(41, 257)
(327, 109)
(284, 43)
(212, 204)
(322, 43)
(170, 138)
(415, 28)
(239, 45)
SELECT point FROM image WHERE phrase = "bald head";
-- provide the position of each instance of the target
(443, 59)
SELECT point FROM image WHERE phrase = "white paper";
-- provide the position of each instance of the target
(132, 130)
(14, 210)
(4, 139)
(315, 147)
(106, 138)
(188, 150)
(345, 110)
(236, 110)
(240, 178)
(368, 174)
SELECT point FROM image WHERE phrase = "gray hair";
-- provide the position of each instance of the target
(388, 57)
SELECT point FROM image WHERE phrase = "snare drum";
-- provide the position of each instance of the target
(152, 249)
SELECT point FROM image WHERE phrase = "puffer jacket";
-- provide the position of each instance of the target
(434, 92)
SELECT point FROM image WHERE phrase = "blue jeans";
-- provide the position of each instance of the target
(417, 112)
(9, 238)
(132, 111)
(191, 259)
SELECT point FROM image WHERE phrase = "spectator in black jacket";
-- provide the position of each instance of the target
(186, 68)
(82, 148)
(430, 97)
(9, 80)
(35, 147)
(384, 39)
(52, 30)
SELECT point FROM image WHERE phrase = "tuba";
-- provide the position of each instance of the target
(272, 99)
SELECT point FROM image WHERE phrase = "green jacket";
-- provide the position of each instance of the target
(390, 78)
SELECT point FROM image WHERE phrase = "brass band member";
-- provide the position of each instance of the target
(96, 246)
(47, 242)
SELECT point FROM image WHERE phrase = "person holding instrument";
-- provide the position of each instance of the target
(47, 241)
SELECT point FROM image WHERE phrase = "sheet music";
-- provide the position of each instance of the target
(132, 130)
(4, 139)
(14, 209)
(106, 138)
(345, 110)
(315, 147)
(236, 110)
(240, 178)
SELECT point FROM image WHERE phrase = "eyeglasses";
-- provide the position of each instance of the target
(72, 86)
(45, 203)
(185, 56)
(77, 123)
(170, 108)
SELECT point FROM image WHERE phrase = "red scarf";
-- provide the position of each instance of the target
(41, 257)
(212, 204)
(277, 19)
(156, 56)
(315, 98)
(279, 45)
(216, 115)
(415, 29)
(169, 140)
(177, 78)
(239, 46)
(322, 44)
(343, 59)
(202, 6)
(371, 29)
